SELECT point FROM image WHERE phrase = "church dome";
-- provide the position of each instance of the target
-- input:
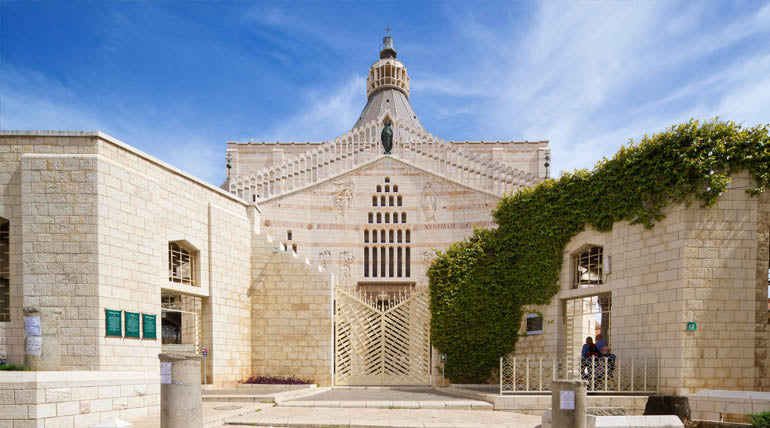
(387, 89)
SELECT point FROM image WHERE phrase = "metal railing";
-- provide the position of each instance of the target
(521, 375)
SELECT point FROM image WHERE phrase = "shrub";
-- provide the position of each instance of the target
(277, 380)
(13, 368)
(760, 420)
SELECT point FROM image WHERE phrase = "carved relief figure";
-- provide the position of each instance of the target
(429, 201)
(343, 198)
(346, 259)
(324, 258)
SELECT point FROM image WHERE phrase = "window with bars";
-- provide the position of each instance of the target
(182, 264)
(588, 267)
(534, 324)
(389, 258)
(5, 270)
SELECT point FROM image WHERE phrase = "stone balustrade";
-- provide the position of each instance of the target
(362, 145)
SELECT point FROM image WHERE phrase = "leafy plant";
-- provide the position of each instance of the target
(277, 380)
(478, 286)
(14, 368)
(760, 420)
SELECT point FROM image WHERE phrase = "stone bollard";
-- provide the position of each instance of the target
(180, 390)
(568, 403)
(42, 338)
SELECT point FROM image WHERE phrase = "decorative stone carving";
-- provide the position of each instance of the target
(428, 256)
(324, 258)
(429, 202)
(343, 198)
(345, 260)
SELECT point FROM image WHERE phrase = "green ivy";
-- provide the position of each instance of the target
(478, 286)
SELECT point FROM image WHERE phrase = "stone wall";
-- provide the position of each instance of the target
(291, 317)
(75, 398)
(762, 316)
(698, 265)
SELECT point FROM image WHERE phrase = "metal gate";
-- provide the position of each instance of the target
(382, 341)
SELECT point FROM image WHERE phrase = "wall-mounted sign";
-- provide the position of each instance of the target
(32, 326)
(149, 328)
(567, 400)
(691, 326)
(113, 323)
(132, 324)
(442, 358)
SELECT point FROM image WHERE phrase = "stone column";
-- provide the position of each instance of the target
(42, 338)
(180, 390)
(566, 394)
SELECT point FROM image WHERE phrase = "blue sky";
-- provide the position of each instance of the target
(178, 79)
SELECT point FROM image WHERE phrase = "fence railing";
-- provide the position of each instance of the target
(521, 375)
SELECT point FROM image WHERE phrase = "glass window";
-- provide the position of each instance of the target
(181, 264)
(588, 267)
(534, 324)
(5, 270)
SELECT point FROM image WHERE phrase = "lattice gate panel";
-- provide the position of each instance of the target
(377, 346)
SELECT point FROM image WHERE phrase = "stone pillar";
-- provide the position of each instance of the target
(566, 394)
(180, 390)
(42, 338)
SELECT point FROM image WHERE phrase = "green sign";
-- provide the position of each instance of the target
(691, 326)
(132, 324)
(149, 329)
(113, 323)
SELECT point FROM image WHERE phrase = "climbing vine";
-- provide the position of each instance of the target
(478, 286)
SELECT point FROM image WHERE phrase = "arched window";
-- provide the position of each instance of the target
(288, 235)
(400, 262)
(374, 201)
(399, 236)
(379, 217)
(294, 248)
(382, 201)
(387, 187)
(387, 179)
(395, 188)
(403, 217)
(5, 270)
(371, 218)
(399, 201)
(408, 236)
(366, 235)
(382, 236)
(366, 262)
(382, 261)
(390, 262)
(387, 217)
(395, 217)
(390, 201)
(379, 188)
(390, 236)
(406, 256)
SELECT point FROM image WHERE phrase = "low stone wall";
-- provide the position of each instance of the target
(76, 398)
(729, 406)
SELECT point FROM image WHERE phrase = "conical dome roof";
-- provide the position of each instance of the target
(387, 90)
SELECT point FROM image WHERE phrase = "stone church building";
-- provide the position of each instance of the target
(311, 259)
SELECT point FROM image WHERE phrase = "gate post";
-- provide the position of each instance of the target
(568, 403)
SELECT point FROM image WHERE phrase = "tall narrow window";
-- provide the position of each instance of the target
(400, 235)
(366, 235)
(382, 201)
(5, 270)
(390, 236)
(395, 217)
(400, 261)
(379, 188)
(366, 262)
(371, 218)
(374, 201)
(288, 235)
(374, 262)
(403, 217)
(390, 262)
(406, 256)
(399, 200)
(387, 179)
(390, 201)
(408, 236)
(382, 236)
(387, 217)
(382, 262)
(374, 236)
(395, 188)
(379, 217)
(387, 188)
(294, 247)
